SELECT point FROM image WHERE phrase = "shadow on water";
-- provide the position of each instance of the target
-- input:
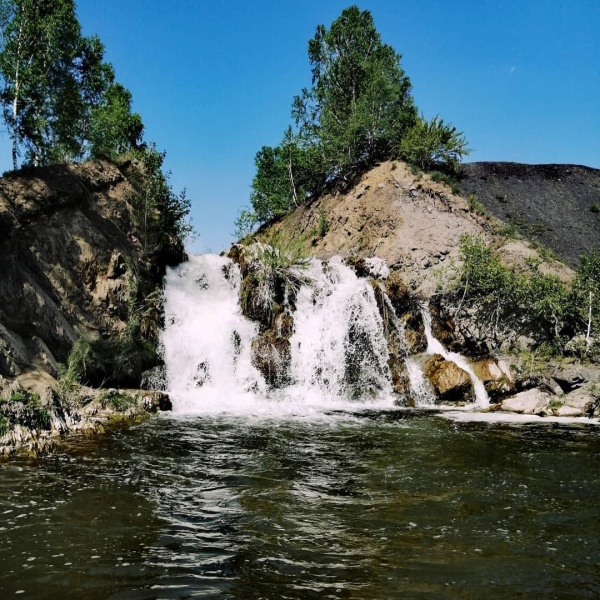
(377, 505)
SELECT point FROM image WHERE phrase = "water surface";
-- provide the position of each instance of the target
(373, 506)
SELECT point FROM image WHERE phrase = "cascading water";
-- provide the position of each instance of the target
(338, 346)
(206, 339)
(420, 389)
(338, 350)
(436, 347)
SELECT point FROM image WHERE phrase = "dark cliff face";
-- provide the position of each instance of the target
(555, 204)
(67, 249)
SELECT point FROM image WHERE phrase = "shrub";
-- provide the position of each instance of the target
(475, 205)
(23, 408)
(433, 145)
(116, 400)
(323, 223)
(530, 300)
(274, 274)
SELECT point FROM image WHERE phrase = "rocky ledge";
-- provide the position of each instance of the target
(33, 423)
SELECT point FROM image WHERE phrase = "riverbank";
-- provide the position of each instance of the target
(33, 423)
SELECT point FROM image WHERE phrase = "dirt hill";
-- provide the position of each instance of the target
(559, 205)
(409, 220)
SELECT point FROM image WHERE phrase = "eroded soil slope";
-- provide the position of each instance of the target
(412, 222)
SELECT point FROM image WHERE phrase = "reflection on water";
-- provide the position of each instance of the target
(381, 506)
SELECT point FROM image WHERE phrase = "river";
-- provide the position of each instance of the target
(372, 505)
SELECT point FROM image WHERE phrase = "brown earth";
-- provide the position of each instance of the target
(409, 220)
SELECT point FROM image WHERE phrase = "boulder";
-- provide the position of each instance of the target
(408, 312)
(271, 355)
(579, 403)
(530, 402)
(572, 376)
(495, 375)
(450, 383)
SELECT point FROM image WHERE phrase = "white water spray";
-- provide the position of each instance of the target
(338, 350)
(206, 340)
(436, 347)
(338, 346)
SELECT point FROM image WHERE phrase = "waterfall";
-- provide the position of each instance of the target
(338, 346)
(338, 349)
(436, 347)
(420, 389)
(206, 339)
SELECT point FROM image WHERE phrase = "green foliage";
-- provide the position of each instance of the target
(360, 97)
(23, 408)
(4, 426)
(79, 362)
(533, 301)
(595, 208)
(116, 400)
(586, 295)
(59, 98)
(323, 223)
(274, 274)
(245, 224)
(286, 175)
(358, 111)
(113, 128)
(119, 360)
(160, 215)
(475, 205)
(433, 145)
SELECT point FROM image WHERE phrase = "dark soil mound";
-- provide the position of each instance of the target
(558, 205)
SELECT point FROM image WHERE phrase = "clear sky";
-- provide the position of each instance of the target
(214, 80)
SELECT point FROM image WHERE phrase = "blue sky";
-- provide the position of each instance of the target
(214, 80)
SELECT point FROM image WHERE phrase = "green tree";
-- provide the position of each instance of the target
(360, 98)
(58, 95)
(586, 295)
(39, 43)
(161, 216)
(113, 128)
(286, 175)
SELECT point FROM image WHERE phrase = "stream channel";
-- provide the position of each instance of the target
(323, 489)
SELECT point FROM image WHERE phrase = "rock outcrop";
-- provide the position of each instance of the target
(68, 254)
(449, 381)
(72, 270)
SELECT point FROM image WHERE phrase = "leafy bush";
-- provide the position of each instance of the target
(433, 145)
(529, 300)
(323, 222)
(116, 400)
(4, 426)
(476, 205)
(274, 275)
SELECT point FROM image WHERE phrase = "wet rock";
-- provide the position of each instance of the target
(271, 355)
(450, 383)
(530, 402)
(154, 401)
(408, 312)
(495, 375)
(154, 379)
